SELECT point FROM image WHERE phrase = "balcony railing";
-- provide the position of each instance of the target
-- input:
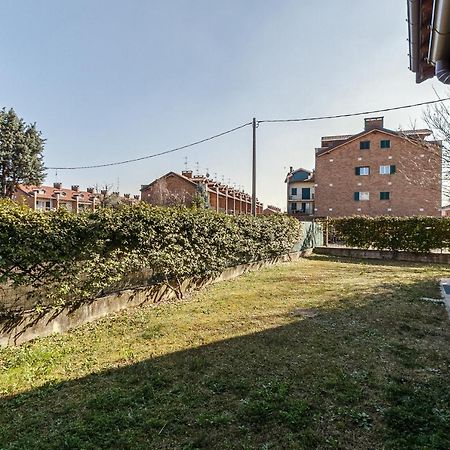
(299, 198)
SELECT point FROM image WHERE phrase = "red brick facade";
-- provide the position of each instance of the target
(398, 174)
(175, 189)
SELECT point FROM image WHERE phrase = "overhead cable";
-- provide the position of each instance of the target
(362, 113)
(215, 136)
(176, 149)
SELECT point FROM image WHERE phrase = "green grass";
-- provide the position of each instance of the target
(319, 353)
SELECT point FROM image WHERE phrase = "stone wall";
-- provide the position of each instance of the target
(435, 258)
(32, 325)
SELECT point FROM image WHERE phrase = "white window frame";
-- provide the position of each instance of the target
(364, 170)
(385, 170)
(364, 196)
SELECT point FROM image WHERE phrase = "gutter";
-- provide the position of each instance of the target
(439, 50)
(414, 34)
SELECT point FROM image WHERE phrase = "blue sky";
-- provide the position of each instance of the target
(108, 80)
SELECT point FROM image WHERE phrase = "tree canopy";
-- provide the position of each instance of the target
(21, 153)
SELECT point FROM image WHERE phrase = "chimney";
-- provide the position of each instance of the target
(137, 197)
(373, 123)
(187, 173)
(75, 187)
(57, 185)
(90, 190)
(116, 193)
(126, 195)
(291, 169)
(103, 192)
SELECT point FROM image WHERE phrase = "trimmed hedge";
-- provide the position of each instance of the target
(62, 257)
(414, 234)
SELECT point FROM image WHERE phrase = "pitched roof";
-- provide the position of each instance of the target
(49, 192)
(421, 134)
(291, 175)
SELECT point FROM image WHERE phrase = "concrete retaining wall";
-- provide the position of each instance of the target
(435, 258)
(32, 325)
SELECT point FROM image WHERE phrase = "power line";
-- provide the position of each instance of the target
(118, 163)
(362, 113)
(215, 136)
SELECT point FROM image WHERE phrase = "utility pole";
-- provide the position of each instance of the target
(254, 169)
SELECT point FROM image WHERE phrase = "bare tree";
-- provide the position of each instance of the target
(161, 194)
(437, 118)
(421, 167)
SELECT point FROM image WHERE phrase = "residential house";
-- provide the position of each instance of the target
(270, 210)
(48, 198)
(378, 172)
(300, 193)
(186, 188)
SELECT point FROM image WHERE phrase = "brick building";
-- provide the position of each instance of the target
(49, 198)
(300, 193)
(183, 189)
(378, 172)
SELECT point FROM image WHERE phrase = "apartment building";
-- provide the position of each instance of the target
(300, 192)
(378, 172)
(182, 189)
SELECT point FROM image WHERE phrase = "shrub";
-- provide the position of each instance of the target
(414, 234)
(64, 257)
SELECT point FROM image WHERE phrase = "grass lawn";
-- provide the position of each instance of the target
(319, 353)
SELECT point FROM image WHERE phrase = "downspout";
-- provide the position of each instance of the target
(439, 52)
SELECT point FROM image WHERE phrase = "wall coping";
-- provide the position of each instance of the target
(32, 325)
(433, 258)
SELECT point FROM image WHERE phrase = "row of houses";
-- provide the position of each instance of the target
(375, 172)
(48, 198)
(185, 189)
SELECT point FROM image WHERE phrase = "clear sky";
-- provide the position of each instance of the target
(107, 80)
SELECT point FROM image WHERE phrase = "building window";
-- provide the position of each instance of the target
(293, 207)
(364, 145)
(387, 170)
(306, 193)
(361, 196)
(293, 191)
(362, 170)
(386, 143)
(42, 205)
(385, 195)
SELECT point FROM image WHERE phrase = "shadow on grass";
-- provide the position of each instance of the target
(354, 377)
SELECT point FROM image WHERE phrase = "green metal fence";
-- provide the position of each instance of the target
(312, 236)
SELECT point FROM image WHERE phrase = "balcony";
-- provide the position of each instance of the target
(299, 198)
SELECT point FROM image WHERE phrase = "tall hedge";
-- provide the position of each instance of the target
(414, 234)
(64, 257)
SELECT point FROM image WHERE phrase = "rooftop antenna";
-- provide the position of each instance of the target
(207, 173)
(215, 176)
(197, 168)
(186, 163)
